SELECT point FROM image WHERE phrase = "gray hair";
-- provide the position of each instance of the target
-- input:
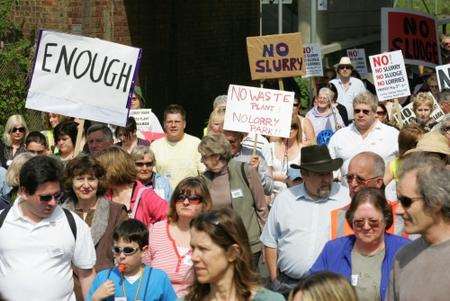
(378, 163)
(366, 98)
(13, 172)
(220, 100)
(444, 95)
(444, 123)
(101, 127)
(329, 94)
(10, 123)
(433, 180)
(140, 151)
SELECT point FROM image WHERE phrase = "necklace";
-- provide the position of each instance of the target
(138, 288)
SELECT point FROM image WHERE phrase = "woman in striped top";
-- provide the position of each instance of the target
(169, 241)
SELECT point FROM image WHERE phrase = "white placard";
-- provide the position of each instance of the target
(443, 76)
(259, 111)
(313, 60)
(322, 5)
(83, 77)
(389, 75)
(146, 120)
(406, 114)
(358, 59)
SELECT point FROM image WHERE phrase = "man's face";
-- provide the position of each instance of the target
(364, 116)
(345, 71)
(174, 126)
(36, 148)
(235, 141)
(361, 174)
(318, 185)
(97, 141)
(42, 203)
(446, 43)
(416, 219)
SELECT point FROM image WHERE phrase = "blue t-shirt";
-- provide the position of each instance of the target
(154, 285)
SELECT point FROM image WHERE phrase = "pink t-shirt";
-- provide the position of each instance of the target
(164, 254)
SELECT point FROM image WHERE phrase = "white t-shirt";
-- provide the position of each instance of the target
(35, 259)
(346, 96)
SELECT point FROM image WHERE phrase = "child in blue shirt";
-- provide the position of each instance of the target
(131, 280)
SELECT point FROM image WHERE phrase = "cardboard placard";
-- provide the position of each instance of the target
(276, 56)
(313, 60)
(389, 75)
(406, 114)
(358, 59)
(259, 111)
(83, 77)
(443, 76)
(415, 34)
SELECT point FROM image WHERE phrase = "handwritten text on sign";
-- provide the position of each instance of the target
(82, 77)
(313, 60)
(258, 110)
(275, 56)
(389, 75)
(443, 76)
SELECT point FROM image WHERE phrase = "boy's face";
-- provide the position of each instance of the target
(133, 261)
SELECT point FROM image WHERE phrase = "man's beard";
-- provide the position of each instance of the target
(324, 191)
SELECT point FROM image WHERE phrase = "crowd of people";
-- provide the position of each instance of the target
(353, 205)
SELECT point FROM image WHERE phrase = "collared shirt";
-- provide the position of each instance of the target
(348, 142)
(298, 227)
(345, 97)
(36, 258)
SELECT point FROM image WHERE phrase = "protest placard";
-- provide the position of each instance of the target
(313, 60)
(83, 77)
(406, 114)
(259, 111)
(276, 56)
(412, 32)
(389, 75)
(147, 124)
(443, 76)
(358, 59)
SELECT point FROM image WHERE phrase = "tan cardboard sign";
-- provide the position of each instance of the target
(276, 56)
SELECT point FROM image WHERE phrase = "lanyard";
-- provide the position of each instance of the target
(138, 289)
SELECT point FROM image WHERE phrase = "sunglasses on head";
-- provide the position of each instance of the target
(193, 199)
(360, 223)
(19, 129)
(125, 250)
(142, 164)
(341, 67)
(406, 201)
(365, 112)
(48, 197)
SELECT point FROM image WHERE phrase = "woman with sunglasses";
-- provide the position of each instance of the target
(366, 257)
(382, 113)
(145, 160)
(14, 137)
(169, 248)
(221, 258)
(84, 187)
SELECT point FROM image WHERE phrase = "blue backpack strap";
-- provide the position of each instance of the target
(3, 215)
(71, 220)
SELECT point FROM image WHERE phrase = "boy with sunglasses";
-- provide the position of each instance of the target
(131, 279)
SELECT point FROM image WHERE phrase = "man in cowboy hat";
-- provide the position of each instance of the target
(298, 225)
(347, 86)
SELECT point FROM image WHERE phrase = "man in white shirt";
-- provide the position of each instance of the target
(366, 133)
(299, 221)
(40, 243)
(176, 154)
(347, 86)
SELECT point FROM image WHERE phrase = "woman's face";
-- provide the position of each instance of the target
(189, 204)
(294, 131)
(322, 101)
(368, 223)
(423, 113)
(135, 103)
(85, 186)
(216, 127)
(17, 133)
(65, 145)
(213, 162)
(144, 168)
(210, 261)
(53, 119)
(381, 114)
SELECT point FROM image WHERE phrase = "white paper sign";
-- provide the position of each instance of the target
(443, 76)
(322, 5)
(313, 60)
(83, 77)
(259, 111)
(146, 120)
(389, 75)
(358, 59)
(406, 115)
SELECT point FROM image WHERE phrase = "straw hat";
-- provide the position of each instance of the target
(432, 142)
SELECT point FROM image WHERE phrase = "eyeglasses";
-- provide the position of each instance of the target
(48, 197)
(359, 180)
(360, 223)
(19, 129)
(406, 201)
(142, 164)
(193, 199)
(127, 251)
(381, 113)
(365, 112)
(349, 67)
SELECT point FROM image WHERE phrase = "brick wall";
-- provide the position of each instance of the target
(192, 50)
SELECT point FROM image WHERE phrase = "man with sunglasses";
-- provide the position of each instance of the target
(424, 194)
(38, 243)
(347, 85)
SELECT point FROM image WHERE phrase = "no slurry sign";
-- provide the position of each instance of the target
(82, 77)
(259, 111)
(411, 32)
(276, 56)
(389, 75)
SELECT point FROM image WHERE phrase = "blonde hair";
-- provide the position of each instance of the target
(13, 172)
(421, 99)
(218, 115)
(366, 98)
(118, 164)
(12, 121)
(215, 144)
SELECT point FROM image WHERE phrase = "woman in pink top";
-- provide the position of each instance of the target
(169, 241)
(141, 202)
